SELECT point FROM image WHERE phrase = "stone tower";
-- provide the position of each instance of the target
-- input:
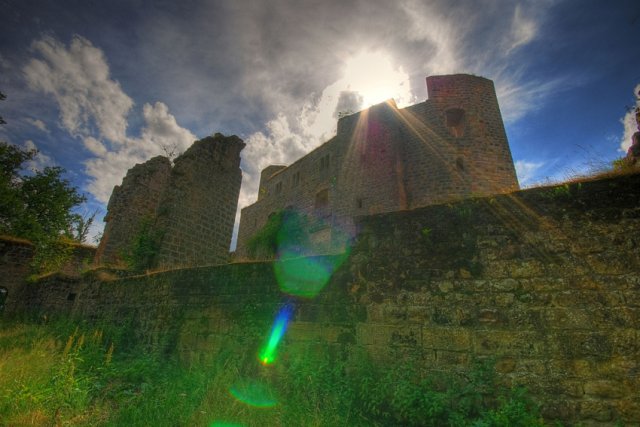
(131, 204)
(198, 209)
(455, 144)
(189, 209)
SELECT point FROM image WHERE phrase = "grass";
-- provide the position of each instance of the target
(64, 374)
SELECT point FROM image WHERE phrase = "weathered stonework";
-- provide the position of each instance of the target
(190, 208)
(198, 208)
(130, 205)
(386, 159)
(16, 256)
(545, 281)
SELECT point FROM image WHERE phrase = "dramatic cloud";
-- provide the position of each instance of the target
(161, 135)
(94, 108)
(78, 78)
(281, 81)
(629, 122)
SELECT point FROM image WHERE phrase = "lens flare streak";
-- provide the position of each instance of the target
(268, 352)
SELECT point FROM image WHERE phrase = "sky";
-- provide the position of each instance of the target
(98, 86)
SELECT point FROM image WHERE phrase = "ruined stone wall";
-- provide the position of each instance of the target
(131, 204)
(16, 256)
(545, 281)
(386, 159)
(196, 213)
(188, 211)
(15, 259)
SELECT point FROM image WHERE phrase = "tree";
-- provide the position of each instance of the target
(38, 205)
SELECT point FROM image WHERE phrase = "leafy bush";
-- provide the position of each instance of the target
(145, 246)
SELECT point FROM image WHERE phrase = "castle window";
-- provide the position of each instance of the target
(279, 187)
(322, 199)
(296, 179)
(455, 121)
(460, 164)
(359, 203)
(324, 163)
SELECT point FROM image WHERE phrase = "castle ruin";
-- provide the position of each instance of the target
(385, 159)
(382, 159)
(187, 211)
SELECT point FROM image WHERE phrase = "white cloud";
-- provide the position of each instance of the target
(161, 135)
(278, 145)
(40, 161)
(94, 108)
(441, 32)
(38, 124)
(527, 172)
(78, 78)
(629, 122)
(523, 30)
(162, 130)
(517, 99)
(95, 146)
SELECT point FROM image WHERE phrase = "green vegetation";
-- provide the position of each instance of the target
(623, 164)
(284, 229)
(38, 207)
(62, 374)
(145, 246)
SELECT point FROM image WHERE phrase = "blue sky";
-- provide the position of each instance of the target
(100, 86)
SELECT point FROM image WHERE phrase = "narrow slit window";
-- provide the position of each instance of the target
(324, 163)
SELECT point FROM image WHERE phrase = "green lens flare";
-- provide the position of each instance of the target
(268, 352)
(306, 277)
(299, 274)
(254, 394)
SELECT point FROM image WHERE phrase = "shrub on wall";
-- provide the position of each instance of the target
(284, 231)
(145, 245)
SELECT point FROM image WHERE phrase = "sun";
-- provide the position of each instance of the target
(372, 75)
